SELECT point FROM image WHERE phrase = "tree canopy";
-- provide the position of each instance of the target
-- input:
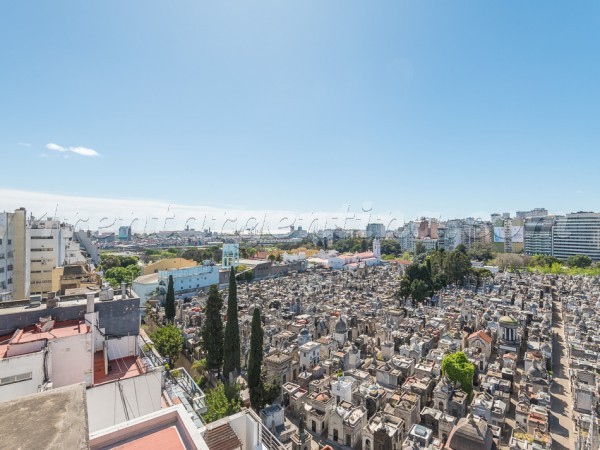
(220, 402)
(458, 368)
(579, 261)
(231, 345)
(110, 261)
(117, 275)
(170, 301)
(212, 331)
(168, 342)
(481, 251)
(255, 383)
(422, 280)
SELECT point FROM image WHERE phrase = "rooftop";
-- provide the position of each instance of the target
(118, 369)
(53, 419)
(9, 344)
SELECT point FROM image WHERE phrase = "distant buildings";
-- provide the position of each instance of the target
(536, 212)
(51, 245)
(375, 230)
(538, 236)
(509, 235)
(577, 234)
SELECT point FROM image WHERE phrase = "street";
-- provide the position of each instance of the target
(561, 424)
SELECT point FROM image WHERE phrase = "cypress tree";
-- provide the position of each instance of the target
(212, 331)
(170, 301)
(231, 346)
(255, 362)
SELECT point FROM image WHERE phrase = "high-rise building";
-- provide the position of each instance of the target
(14, 255)
(536, 212)
(51, 245)
(577, 234)
(508, 235)
(375, 230)
(538, 235)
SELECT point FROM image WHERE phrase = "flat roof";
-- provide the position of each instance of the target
(31, 334)
(20, 305)
(163, 439)
(118, 369)
(53, 419)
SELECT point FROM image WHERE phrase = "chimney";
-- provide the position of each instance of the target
(123, 291)
(51, 300)
(90, 302)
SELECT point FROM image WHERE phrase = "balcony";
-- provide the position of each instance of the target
(180, 384)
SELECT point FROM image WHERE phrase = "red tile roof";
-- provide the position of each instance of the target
(222, 438)
(482, 335)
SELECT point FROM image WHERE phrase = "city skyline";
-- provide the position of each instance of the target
(449, 108)
(150, 215)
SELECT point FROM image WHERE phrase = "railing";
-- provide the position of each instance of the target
(184, 380)
(269, 441)
(147, 353)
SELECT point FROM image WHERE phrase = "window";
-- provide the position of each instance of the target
(348, 440)
(335, 435)
(15, 378)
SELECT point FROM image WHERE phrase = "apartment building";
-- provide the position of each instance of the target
(51, 244)
(538, 236)
(14, 255)
(577, 234)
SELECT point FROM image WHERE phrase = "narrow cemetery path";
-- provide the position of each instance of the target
(561, 424)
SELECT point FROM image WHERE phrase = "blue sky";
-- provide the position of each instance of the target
(448, 107)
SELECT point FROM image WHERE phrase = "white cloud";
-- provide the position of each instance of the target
(24, 144)
(55, 147)
(77, 150)
(84, 151)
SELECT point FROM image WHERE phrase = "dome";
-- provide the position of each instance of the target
(340, 326)
(470, 434)
(322, 397)
(507, 320)
(304, 332)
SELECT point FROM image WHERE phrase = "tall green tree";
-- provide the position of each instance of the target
(168, 342)
(458, 368)
(212, 331)
(457, 266)
(405, 288)
(231, 345)
(170, 301)
(255, 383)
(419, 291)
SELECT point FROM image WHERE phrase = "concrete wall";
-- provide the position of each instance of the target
(21, 270)
(246, 429)
(90, 247)
(70, 360)
(34, 363)
(118, 317)
(168, 263)
(141, 396)
(143, 290)
(122, 348)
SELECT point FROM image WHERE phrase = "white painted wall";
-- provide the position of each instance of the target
(71, 360)
(106, 408)
(34, 363)
(122, 348)
(246, 429)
